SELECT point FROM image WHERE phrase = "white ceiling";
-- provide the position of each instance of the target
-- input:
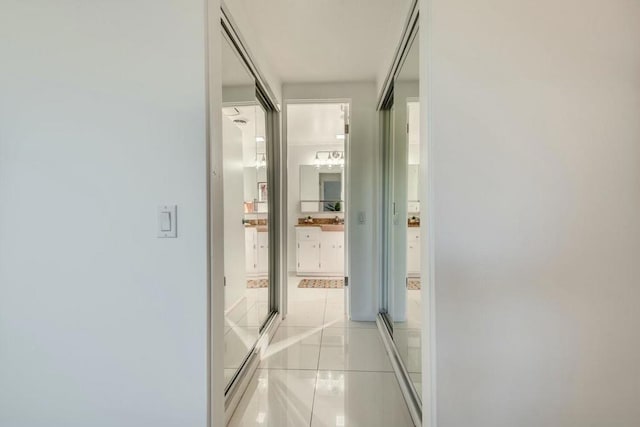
(234, 73)
(313, 124)
(325, 40)
(410, 70)
(252, 128)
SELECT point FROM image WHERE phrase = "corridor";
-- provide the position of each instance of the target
(323, 370)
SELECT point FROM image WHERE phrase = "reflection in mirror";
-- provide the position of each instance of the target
(245, 187)
(404, 287)
(321, 189)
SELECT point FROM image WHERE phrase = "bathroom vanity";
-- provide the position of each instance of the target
(256, 243)
(320, 250)
(413, 251)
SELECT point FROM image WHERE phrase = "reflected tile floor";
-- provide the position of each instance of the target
(323, 370)
(242, 322)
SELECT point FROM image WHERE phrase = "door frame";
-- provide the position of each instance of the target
(347, 169)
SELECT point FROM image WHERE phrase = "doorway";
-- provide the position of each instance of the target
(317, 163)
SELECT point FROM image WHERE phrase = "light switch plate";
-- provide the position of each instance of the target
(167, 221)
(362, 217)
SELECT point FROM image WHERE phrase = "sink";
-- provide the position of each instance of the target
(332, 227)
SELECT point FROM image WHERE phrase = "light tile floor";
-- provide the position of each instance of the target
(242, 324)
(407, 337)
(323, 370)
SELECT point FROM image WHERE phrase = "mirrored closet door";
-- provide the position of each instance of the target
(402, 301)
(406, 286)
(246, 168)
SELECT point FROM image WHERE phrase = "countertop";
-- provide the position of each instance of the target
(324, 227)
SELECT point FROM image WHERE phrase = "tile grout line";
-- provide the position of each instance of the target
(368, 371)
(315, 388)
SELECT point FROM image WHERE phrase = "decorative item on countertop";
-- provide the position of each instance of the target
(335, 207)
(414, 220)
(308, 220)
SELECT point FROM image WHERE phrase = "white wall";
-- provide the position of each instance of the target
(534, 139)
(102, 119)
(362, 190)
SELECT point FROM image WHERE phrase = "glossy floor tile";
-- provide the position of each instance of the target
(359, 399)
(322, 369)
(353, 349)
(408, 340)
(277, 398)
(305, 313)
(293, 348)
(237, 343)
(408, 344)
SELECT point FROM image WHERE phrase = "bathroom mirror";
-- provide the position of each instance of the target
(321, 189)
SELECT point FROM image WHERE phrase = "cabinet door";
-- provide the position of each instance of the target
(308, 256)
(263, 252)
(250, 246)
(332, 252)
(327, 255)
(413, 252)
(339, 256)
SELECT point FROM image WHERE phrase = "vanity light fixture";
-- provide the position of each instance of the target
(329, 159)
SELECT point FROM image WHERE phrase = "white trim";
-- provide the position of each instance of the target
(427, 192)
(215, 231)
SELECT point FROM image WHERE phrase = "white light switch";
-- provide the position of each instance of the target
(362, 217)
(167, 221)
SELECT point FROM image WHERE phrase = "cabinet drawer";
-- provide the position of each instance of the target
(306, 234)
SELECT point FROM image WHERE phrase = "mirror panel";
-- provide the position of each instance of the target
(245, 201)
(404, 296)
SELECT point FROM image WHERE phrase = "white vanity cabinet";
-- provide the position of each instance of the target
(263, 252)
(256, 251)
(413, 251)
(319, 253)
(250, 250)
(332, 253)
